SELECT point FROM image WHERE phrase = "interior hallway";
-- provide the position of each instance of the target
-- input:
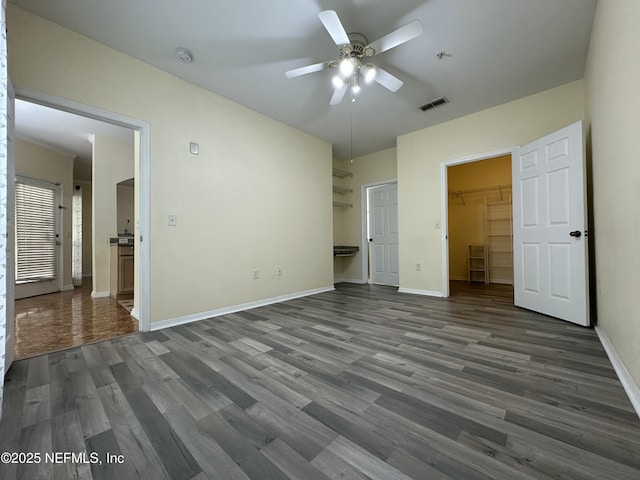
(55, 321)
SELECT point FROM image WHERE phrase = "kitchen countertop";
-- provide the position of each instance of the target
(122, 240)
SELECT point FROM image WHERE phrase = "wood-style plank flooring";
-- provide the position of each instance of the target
(359, 383)
(47, 323)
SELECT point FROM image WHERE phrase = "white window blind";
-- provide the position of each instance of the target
(76, 235)
(36, 248)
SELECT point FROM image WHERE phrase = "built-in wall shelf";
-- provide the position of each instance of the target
(341, 190)
(345, 251)
(341, 173)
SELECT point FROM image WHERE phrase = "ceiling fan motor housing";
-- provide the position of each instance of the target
(357, 47)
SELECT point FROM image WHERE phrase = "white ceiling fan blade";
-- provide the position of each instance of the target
(338, 94)
(387, 80)
(331, 22)
(296, 72)
(410, 31)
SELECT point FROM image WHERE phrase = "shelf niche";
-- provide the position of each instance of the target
(340, 189)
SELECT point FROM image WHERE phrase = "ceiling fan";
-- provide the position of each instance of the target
(354, 51)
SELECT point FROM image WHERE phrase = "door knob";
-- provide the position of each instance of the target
(576, 233)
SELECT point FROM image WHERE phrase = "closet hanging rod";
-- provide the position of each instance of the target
(498, 188)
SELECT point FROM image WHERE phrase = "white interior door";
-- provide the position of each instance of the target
(549, 219)
(383, 234)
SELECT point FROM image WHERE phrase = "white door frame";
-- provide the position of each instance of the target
(444, 203)
(9, 332)
(144, 129)
(365, 220)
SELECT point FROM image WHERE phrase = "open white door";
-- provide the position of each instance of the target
(383, 234)
(549, 218)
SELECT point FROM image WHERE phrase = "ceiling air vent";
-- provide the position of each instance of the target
(436, 102)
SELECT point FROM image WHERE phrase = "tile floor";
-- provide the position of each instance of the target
(66, 319)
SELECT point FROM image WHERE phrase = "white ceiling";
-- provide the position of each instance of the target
(65, 132)
(497, 51)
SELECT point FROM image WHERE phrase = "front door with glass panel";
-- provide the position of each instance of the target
(38, 238)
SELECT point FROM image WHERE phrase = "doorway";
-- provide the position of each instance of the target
(382, 234)
(550, 258)
(78, 306)
(477, 217)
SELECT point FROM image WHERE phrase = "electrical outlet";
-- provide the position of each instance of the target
(418, 267)
(279, 272)
(256, 274)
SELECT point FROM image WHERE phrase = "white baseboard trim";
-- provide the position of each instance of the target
(413, 291)
(348, 280)
(67, 288)
(135, 313)
(95, 294)
(631, 389)
(172, 322)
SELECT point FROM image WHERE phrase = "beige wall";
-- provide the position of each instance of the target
(421, 153)
(376, 167)
(112, 163)
(257, 197)
(467, 211)
(44, 164)
(612, 84)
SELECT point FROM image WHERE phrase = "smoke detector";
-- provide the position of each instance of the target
(184, 55)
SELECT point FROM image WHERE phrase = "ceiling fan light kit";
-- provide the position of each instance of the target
(352, 48)
(368, 71)
(355, 83)
(348, 66)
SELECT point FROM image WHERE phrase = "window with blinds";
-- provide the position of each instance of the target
(36, 248)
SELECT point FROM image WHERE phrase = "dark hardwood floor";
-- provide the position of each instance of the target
(360, 383)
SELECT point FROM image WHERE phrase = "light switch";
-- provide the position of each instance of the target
(173, 220)
(194, 148)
